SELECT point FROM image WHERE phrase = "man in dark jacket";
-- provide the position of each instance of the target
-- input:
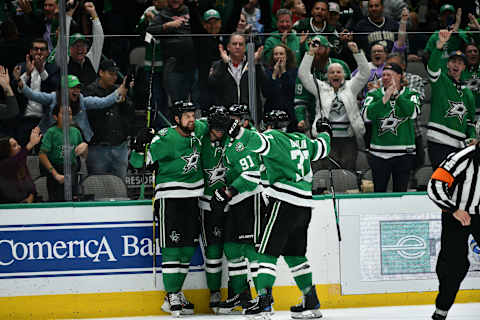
(229, 76)
(179, 55)
(108, 150)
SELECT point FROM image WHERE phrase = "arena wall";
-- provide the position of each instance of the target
(85, 260)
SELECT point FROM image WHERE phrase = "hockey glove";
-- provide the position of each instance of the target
(323, 125)
(234, 128)
(220, 199)
(144, 137)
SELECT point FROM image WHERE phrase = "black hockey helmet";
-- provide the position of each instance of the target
(278, 119)
(180, 107)
(218, 118)
(239, 110)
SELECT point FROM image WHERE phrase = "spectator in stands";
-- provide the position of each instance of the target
(448, 20)
(414, 82)
(154, 59)
(39, 24)
(229, 77)
(297, 7)
(304, 101)
(279, 86)
(253, 14)
(333, 19)
(84, 61)
(207, 54)
(393, 8)
(8, 105)
(179, 55)
(286, 35)
(350, 13)
(52, 153)
(317, 23)
(336, 100)
(471, 74)
(392, 111)
(12, 46)
(452, 114)
(379, 52)
(108, 149)
(77, 102)
(40, 76)
(376, 28)
(16, 184)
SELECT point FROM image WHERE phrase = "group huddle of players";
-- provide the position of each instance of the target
(249, 195)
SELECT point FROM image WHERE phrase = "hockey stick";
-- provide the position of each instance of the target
(332, 191)
(332, 188)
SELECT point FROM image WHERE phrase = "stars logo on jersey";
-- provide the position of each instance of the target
(217, 232)
(191, 160)
(390, 124)
(239, 147)
(174, 236)
(217, 173)
(337, 106)
(457, 109)
(163, 132)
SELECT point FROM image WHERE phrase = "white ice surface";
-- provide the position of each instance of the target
(459, 311)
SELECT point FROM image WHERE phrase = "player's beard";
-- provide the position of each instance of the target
(186, 130)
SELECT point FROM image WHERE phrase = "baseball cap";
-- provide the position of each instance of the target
(333, 6)
(211, 14)
(446, 7)
(73, 81)
(108, 65)
(77, 37)
(458, 53)
(323, 41)
(393, 67)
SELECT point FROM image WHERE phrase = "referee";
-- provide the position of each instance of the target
(455, 188)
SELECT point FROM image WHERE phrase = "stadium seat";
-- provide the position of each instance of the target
(137, 56)
(423, 176)
(41, 186)
(343, 180)
(33, 165)
(104, 187)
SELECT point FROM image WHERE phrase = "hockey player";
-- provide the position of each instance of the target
(451, 125)
(243, 222)
(287, 158)
(175, 152)
(240, 112)
(212, 223)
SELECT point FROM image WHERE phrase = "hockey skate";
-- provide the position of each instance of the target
(215, 299)
(172, 304)
(236, 302)
(261, 308)
(439, 315)
(187, 306)
(309, 308)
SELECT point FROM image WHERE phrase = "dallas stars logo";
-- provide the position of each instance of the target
(390, 124)
(217, 173)
(457, 109)
(191, 160)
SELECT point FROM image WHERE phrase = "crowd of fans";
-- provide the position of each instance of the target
(342, 60)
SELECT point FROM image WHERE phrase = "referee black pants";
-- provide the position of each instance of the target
(452, 263)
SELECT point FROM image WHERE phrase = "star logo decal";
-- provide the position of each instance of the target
(216, 173)
(457, 109)
(390, 123)
(191, 161)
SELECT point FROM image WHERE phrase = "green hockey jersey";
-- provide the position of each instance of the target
(243, 166)
(452, 108)
(287, 159)
(393, 123)
(214, 170)
(473, 73)
(304, 101)
(179, 173)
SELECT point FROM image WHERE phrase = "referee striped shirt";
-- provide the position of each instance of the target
(456, 183)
